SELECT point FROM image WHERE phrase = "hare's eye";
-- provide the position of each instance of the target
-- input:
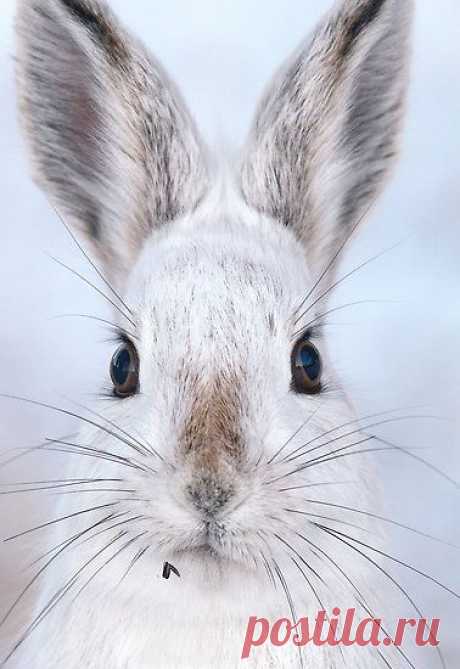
(124, 370)
(306, 368)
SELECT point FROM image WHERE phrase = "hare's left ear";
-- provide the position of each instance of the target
(111, 141)
(326, 132)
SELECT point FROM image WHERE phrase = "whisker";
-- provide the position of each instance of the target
(148, 448)
(62, 547)
(139, 555)
(371, 416)
(329, 530)
(291, 548)
(60, 482)
(361, 599)
(113, 326)
(108, 561)
(57, 597)
(334, 258)
(112, 516)
(316, 485)
(58, 486)
(333, 533)
(334, 520)
(318, 461)
(59, 520)
(89, 451)
(128, 491)
(347, 276)
(268, 568)
(94, 287)
(70, 414)
(333, 310)
(28, 450)
(92, 263)
(420, 460)
(294, 435)
(362, 429)
(290, 601)
(383, 519)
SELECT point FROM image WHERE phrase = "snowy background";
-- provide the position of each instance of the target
(403, 351)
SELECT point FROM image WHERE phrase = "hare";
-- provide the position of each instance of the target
(208, 465)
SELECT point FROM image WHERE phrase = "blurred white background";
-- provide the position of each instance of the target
(398, 353)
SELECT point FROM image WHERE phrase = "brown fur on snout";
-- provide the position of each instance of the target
(212, 432)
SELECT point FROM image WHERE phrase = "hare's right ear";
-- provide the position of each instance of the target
(111, 141)
(326, 132)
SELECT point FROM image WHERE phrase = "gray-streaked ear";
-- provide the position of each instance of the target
(111, 141)
(327, 130)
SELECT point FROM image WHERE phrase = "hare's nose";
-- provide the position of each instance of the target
(209, 494)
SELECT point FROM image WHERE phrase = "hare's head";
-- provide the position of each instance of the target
(225, 404)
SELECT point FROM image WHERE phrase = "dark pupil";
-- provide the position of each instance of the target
(121, 367)
(309, 359)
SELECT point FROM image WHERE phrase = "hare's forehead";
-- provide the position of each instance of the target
(214, 283)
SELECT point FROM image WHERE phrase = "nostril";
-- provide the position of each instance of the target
(209, 495)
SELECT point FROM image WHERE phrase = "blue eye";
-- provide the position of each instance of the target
(124, 370)
(306, 368)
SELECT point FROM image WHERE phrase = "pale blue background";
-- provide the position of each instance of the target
(400, 353)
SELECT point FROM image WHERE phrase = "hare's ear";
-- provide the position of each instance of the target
(326, 132)
(111, 141)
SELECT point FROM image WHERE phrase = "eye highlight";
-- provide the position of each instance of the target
(306, 368)
(124, 370)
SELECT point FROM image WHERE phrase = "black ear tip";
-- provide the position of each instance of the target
(84, 11)
(361, 20)
(98, 20)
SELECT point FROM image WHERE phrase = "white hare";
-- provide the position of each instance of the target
(225, 409)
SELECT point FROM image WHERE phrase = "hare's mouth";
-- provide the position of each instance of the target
(209, 542)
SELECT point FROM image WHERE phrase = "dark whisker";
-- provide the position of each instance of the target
(92, 263)
(362, 429)
(361, 598)
(289, 599)
(147, 448)
(56, 486)
(60, 481)
(334, 533)
(108, 561)
(308, 566)
(383, 519)
(333, 310)
(346, 276)
(334, 259)
(420, 460)
(317, 461)
(294, 435)
(112, 516)
(113, 326)
(379, 414)
(334, 520)
(94, 287)
(128, 491)
(268, 568)
(139, 555)
(28, 450)
(329, 530)
(59, 520)
(70, 414)
(315, 485)
(57, 597)
(62, 548)
(89, 451)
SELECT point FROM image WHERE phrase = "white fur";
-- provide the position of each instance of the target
(213, 280)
